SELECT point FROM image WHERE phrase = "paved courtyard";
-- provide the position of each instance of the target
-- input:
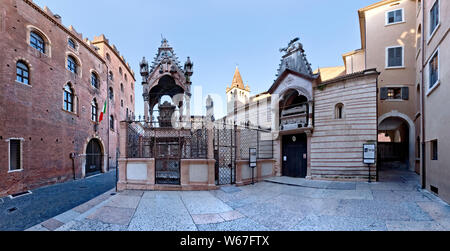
(396, 203)
(47, 202)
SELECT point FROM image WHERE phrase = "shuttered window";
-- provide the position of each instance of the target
(395, 57)
(394, 93)
(15, 158)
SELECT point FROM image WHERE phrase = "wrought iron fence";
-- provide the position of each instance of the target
(144, 141)
(256, 138)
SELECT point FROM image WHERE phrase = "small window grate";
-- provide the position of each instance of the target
(17, 195)
(434, 189)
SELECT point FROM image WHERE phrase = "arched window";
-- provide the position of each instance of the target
(108, 57)
(68, 98)
(94, 111)
(72, 44)
(111, 122)
(121, 87)
(94, 80)
(120, 71)
(121, 103)
(339, 111)
(132, 86)
(126, 77)
(111, 76)
(111, 93)
(131, 98)
(37, 42)
(22, 73)
(72, 64)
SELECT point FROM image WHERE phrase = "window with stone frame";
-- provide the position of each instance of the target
(111, 122)
(94, 111)
(94, 80)
(68, 99)
(434, 17)
(72, 64)
(111, 93)
(22, 73)
(339, 111)
(37, 42)
(434, 70)
(72, 43)
(395, 16)
(15, 155)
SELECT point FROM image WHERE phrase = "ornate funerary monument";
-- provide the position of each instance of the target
(168, 149)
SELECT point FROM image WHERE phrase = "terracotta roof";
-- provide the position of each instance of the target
(350, 76)
(237, 80)
(329, 73)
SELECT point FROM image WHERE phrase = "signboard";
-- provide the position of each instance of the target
(369, 153)
(253, 157)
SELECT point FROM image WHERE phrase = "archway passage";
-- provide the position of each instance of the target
(393, 144)
(94, 157)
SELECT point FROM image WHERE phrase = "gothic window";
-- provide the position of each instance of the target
(126, 77)
(94, 111)
(22, 73)
(111, 76)
(94, 80)
(72, 64)
(37, 42)
(121, 103)
(131, 98)
(120, 71)
(111, 93)
(108, 57)
(121, 87)
(68, 99)
(111, 122)
(339, 111)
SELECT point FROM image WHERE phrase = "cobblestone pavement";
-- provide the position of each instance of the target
(395, 203)
(47, 202)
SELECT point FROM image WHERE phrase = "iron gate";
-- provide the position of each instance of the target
(225, 155)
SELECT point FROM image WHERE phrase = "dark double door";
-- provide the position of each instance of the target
(94, 158)
(294, 156)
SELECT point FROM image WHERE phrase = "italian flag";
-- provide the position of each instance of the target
(103, 112)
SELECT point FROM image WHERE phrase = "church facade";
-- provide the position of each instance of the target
(319, 121)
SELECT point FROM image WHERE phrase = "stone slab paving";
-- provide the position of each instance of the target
(395, 203)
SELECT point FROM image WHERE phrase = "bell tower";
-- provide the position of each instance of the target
(238, 94)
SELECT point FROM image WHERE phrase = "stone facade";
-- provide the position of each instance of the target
(434, 96)
(53, 141)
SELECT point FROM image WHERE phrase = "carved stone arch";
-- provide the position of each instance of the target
(103, 151)
(300, 90)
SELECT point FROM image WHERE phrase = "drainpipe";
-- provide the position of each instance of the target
(109, 114)
(424, 180)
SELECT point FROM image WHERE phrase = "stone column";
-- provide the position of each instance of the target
(146, 105)
(211, 160)
(308, 147)
(310, 114)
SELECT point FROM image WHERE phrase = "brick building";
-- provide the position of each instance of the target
(53, 87)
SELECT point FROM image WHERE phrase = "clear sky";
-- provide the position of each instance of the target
(219, 35)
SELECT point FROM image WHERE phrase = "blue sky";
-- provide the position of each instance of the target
(218, 35)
